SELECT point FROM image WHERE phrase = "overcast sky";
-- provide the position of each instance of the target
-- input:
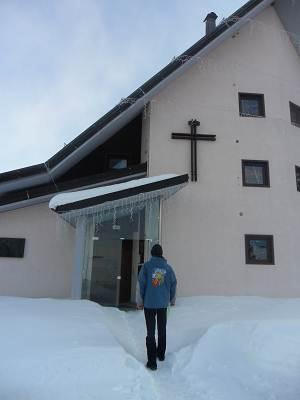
(64, 63)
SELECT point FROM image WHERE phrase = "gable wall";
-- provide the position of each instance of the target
(203, 233)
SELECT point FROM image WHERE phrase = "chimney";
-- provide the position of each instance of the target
(210, 22)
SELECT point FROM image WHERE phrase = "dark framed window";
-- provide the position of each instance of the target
(297, 170)
(116, 161)
(259, 249)
(295, 114)
(12, 247)
(252, 105)
(255, 173)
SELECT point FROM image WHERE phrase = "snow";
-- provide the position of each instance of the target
(72, 197)
(62, 349)
(257, 360)
(219, 348)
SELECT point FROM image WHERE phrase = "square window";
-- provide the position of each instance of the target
(255, 173)
(297, 169)
(12, 247)
(295, 114)
(259, 249)
(115, 162)
(252, 105)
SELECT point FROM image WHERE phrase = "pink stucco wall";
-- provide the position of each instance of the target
(46, 269)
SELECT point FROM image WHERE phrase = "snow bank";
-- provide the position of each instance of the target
(62, 350)
(244, 361)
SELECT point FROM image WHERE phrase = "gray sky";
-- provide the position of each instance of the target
(64, 63)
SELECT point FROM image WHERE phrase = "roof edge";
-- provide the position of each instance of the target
(129, 192)
(45, 198)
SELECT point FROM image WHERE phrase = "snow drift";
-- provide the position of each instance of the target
(244, 360)
(62, 350)
(219, 348)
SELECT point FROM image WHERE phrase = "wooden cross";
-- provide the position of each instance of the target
(193, 137)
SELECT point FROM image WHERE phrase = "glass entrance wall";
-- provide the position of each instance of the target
(118, 240)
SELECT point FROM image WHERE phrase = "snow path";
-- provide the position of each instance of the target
(128, 329)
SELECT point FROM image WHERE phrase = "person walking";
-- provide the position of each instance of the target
(157, 289)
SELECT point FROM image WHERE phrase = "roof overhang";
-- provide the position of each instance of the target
(90, 202)
(31, 201)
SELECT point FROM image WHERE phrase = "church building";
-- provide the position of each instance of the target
(203, 158)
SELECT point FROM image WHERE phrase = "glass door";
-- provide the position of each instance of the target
(105, 271)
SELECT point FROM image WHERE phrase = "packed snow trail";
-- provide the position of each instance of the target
(129, 330)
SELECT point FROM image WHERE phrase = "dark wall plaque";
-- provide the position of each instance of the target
(12, 247)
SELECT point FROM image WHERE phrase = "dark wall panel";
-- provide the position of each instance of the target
(125, 143)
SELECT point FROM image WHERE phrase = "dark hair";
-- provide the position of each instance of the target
(157, 250)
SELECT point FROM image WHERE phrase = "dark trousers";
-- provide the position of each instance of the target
(151, 315)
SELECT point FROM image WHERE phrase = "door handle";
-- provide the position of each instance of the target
(119, 277)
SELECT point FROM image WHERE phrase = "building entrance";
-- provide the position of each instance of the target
(118, 247)
(116, 226)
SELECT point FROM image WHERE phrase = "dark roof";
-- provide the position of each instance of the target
(148, 187)
(23, 172)
(40, 191)
(137, 94)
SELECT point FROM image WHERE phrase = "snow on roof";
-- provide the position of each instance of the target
(72, 197)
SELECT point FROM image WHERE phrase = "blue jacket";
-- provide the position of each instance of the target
(157, 283)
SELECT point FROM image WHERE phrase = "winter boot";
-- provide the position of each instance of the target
(153, 367)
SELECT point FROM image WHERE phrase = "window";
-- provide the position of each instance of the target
(255, 173)
(12, 247)
(252, 105)
(297, 169)
(295, 114)
(259, 249)
(117, 162)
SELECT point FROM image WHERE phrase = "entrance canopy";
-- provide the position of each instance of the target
(130, 194)
(116, 226)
